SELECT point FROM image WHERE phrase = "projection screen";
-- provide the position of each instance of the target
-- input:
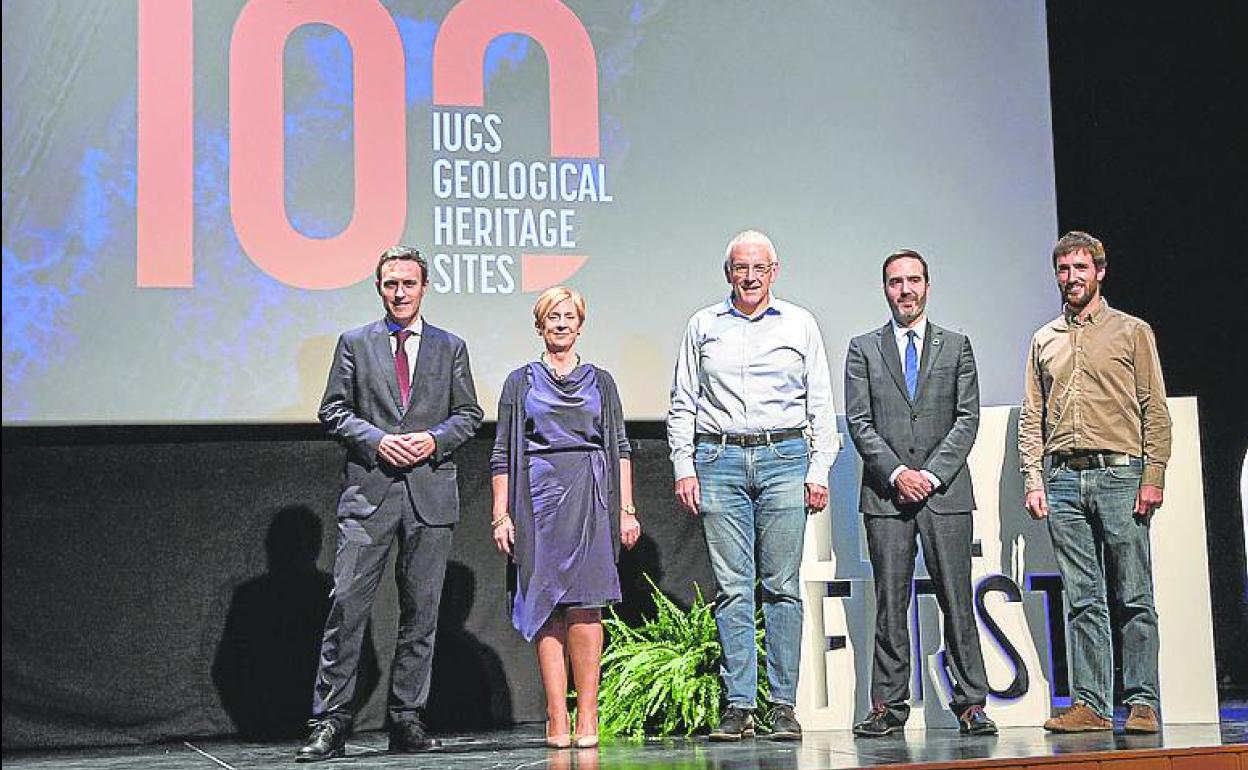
(195, 193)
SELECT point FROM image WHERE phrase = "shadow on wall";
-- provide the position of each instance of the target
(266, 663)
(637, 595)
(469, 689)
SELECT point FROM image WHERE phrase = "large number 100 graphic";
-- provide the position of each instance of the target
(165, 201)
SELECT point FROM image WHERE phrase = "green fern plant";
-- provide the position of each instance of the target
(662, 677)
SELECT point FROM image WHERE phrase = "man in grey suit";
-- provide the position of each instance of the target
(400, 397)
(912, 405)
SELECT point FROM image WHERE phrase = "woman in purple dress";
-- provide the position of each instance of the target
(563, 505)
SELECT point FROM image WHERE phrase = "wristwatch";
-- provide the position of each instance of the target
(629, 509)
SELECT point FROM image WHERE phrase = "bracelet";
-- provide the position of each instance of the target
(631, 510)
(500, 521)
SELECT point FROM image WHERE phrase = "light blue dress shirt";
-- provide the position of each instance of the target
(736, 374)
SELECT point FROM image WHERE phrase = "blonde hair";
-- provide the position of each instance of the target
(553, 296)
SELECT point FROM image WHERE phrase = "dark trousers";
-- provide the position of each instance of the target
(363, 547)
(946, 542)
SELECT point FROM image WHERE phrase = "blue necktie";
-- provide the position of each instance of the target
(912, 364)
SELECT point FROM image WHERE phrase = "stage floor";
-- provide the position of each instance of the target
(521, 747)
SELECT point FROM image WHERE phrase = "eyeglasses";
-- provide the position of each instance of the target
(742, 271)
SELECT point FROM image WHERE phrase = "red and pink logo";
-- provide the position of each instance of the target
(527, 208)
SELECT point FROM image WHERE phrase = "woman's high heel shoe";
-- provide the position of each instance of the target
(562, 741)
(586, 741)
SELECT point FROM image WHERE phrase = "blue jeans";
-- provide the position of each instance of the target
(754, 518)
(1099, 541)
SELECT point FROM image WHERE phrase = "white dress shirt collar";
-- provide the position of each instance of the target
(919, 329)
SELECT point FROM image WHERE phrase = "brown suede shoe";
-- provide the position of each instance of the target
(1142, 719)
(1079, 718)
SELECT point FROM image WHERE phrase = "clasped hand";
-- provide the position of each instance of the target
(403, 450)
(912, 486)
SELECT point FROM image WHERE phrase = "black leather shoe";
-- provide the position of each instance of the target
(784, 724)
(975, 722)
(328, 739)
(737, 723)
(878, 723)
(409, 737)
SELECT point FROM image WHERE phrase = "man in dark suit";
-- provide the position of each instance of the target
(400, 397)
(912, 404)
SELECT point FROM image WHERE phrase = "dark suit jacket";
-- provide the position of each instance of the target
(935, 431)
(361, 405)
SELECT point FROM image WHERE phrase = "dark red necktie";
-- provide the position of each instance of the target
(401, 369)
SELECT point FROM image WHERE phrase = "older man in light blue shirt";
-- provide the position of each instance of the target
(752, 429)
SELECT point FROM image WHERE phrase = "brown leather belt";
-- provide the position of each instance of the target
(1086, 461)
(749, 439)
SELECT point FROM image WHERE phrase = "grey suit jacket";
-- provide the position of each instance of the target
(361, 405)
(934, 432)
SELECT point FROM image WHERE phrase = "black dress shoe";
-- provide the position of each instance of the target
(409, 737)
(737, 723)
(327, 740)
(975, 722)
(784, 724)
(878, 723)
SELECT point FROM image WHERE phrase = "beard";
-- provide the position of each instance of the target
(906, 317)
(1078, 295)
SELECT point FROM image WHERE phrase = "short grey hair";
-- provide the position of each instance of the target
(749, 238)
